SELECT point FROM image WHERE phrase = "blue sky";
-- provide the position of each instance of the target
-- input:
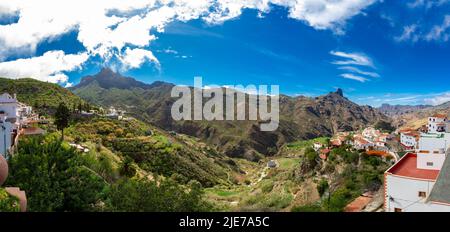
(393, 52)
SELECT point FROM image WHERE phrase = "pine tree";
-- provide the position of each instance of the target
(62, 117)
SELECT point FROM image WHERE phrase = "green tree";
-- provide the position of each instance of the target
(165, 195)
(311, 157)
(384, 126)
(62, 117)
(127, 168)
(54, 177)
(322, 187)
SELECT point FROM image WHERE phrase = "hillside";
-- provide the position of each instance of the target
(398, 110)
(300, 117)
(419, 118)
(155, 152)
(302, 181)
(42, 95)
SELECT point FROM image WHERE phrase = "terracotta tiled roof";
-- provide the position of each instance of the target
(377, 153)
(442, 116)
(33, 131)
(358, 204)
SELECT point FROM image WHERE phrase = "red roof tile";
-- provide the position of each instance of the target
(358, 204)
(377, 153)
(407, 167)
(440, 116)
(33, 131)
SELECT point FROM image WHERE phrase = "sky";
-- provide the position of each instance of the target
(377, 51)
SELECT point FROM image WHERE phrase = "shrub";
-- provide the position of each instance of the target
(322, 187)
(54, 177)
(267, 186)
(8, 203)
(311, 157)
(151, 196)
(307, 208)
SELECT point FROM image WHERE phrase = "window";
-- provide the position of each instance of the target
(422, 194)
(430, 164)
(398, 210)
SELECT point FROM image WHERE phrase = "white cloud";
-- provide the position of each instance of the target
(68, 85)
(409, 34)
(134, 58)
(325, 14)
(427, 3)
(354, 77)
(440, 32)
(438, 100)
(109, 28)
(48, 67)
(320, 14)
(100, 30)
(169, 51)
(437, 33)
(352, 59)
(359, 71)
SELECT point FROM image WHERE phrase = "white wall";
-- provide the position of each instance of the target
(5, 137)
(432, 144)
(405, 194)
(10, 109)
(437, 160)
(409, 141)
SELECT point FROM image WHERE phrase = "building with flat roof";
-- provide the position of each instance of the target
(420, 181)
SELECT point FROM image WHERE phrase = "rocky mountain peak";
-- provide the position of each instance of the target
(340, 92)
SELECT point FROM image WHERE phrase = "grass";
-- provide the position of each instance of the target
(301, 145)
(224, 193)
(288, 163)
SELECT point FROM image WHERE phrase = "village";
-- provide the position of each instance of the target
(418, 180)
(371, 140)
(19, 120)
(16, 120)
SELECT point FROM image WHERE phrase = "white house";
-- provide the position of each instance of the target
(6, 130)
(409, 139)
(380, 143)
(432, 150)
(370, 133)
(115, 114)
(437, 123)
(9, 107)
(420, 182)
(411, 189)
(363, 144)
(317, 146)
(13, 115)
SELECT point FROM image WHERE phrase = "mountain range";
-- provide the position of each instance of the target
(418, 118)
(398, 110)
(300, 117)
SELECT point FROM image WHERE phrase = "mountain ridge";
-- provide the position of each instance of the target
(42, 95)
(300, 118)
(397, 110)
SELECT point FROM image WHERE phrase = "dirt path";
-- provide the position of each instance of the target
(263, 174)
